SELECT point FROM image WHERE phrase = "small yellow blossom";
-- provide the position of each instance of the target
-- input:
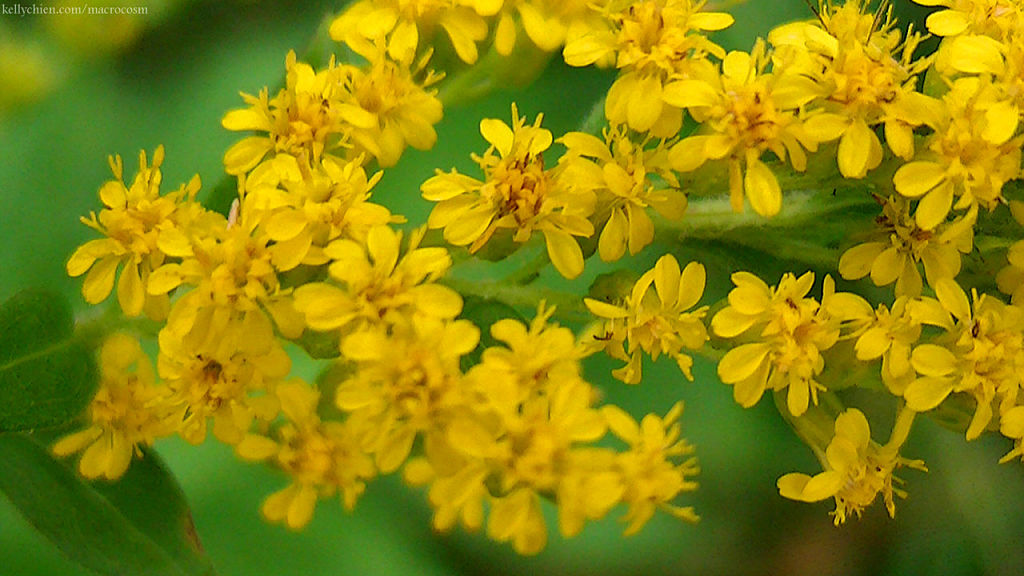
(128, 411)
(657, 322)
(388, 105)
(865, 75)
(981, 354)
(890, 335)
(303, 120)
(229, 270)
(789, 332)
(1011, 278)
(658, 466)
(135, 221)
(305, 210)
(225, 377)
(651, 42)
(1011, 425)
(902, 245)
(742, 112)
(969, 157)
(548, 24)
(407, 383)
(378, 283)
(857, 469)
(620, 172)
(991, 17)
(410, 24)
(517, 194)
(321, 457)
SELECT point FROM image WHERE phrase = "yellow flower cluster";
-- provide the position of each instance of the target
(523, 425)
(495, 426)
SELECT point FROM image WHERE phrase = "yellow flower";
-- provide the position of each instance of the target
(409, 24)
(620, 172)
(890, 335)
(857, 469)
(304, 210)
(230, 271)
(528, 443)
(129, 410)
(865, 75)
(991, 17)
(378, 284)
(651, 42)
(1011, 278)
(389, 105)
(225, 376)
(547, 23)
(971, 154)
(657, 322)
(303, 120)
(407, 383)
(744, 111)
(902, 245)
(1011, 425)
(789, 333)
(657, 467)
(980, 354)
(517, 194)
(135, 222)
(322, 458)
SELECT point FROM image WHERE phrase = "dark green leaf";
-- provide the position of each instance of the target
(46, 376)
(137, 526)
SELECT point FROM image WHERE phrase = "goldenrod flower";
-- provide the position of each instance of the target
(620, 172)
(304, 120)
(744, 111)
(378, 283)
(129, 410)
(980, 354)
(547, 23)
(969, 157)
(651, 42)
(135, 222)
(322, 458)
(303, 210)
(230, 271)
(865, 76)
(1011, 278)
(789, 333)
(409, 24)
(388, 105)
(517, 194)
(991, 17)
(1011, 425)
(857, 469)
(657, 322)
(903, 245)
(890, 335)
(658, 466)
(407, 383)
(224, 376)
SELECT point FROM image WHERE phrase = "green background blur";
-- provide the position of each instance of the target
(171, 86)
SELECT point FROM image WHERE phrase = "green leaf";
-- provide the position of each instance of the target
(139, 525)
(46, 376)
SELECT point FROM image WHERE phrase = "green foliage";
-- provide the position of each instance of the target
(138, 525)
(47, 376)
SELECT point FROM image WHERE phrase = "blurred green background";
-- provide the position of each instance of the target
(101, 87)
